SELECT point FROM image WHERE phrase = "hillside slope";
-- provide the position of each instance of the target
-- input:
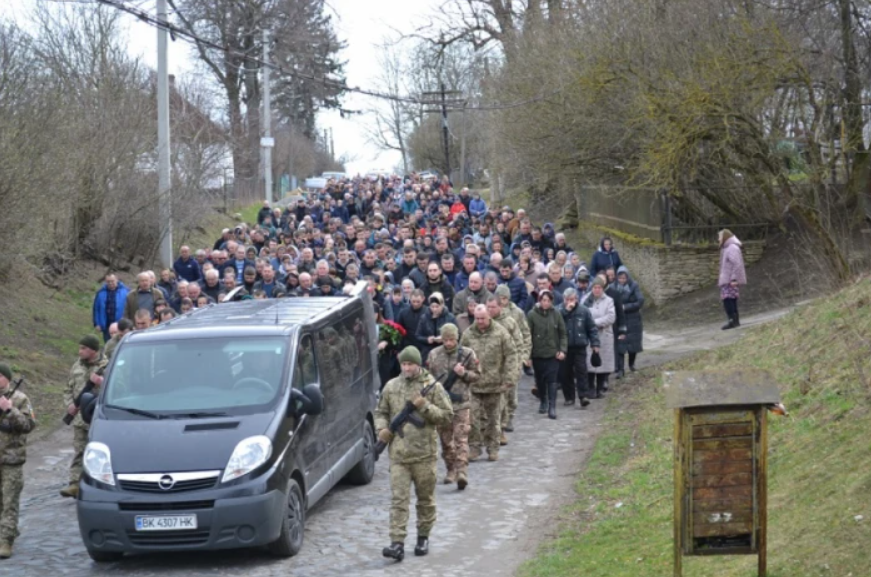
(820, 481)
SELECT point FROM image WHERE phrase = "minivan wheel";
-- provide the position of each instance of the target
(105, 556)
(289, 542)
(364, 470)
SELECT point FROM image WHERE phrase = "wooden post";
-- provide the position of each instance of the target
(762, 492)
(678, 493)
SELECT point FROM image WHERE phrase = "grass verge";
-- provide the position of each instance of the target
(820, 481)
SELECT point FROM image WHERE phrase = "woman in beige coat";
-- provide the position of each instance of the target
(604, 315)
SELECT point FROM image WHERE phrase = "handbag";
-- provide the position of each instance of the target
(595, 360)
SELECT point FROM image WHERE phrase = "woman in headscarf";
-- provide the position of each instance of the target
(602, 308)
(732, 275)
(633, 301)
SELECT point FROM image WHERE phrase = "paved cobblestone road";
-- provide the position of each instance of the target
(488, 529)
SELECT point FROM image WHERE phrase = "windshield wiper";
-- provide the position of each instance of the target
(196, 415)
(139, 412)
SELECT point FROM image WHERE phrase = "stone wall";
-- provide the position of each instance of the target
(667, 272)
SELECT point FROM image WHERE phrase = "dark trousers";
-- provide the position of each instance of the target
(731, 306)
(596, 383)
(573, 373)
(621, 361)
(546, 373)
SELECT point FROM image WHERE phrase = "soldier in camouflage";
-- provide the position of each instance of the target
(84, 369)
(516, 313)
(509, 397)
(124, 327)
(16, 421)
(498, 364)
(414, 452)
(455, 435)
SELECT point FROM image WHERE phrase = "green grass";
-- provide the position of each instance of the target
(249, 213)
(820, 479)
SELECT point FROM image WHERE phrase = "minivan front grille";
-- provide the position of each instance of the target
(169, 538)
(168, 482)
(179, 506)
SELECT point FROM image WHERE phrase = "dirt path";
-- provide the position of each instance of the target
(489, 529)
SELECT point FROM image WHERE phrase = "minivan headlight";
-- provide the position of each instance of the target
(97, 462)
(249, 454)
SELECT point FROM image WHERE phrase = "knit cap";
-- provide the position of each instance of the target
(450, 331)
(91, 342)
(503, 291)
(7, 372)
(410, 355)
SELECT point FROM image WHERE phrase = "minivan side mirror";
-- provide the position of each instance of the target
(309, 400)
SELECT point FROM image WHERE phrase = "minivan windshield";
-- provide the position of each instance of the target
(197, 377)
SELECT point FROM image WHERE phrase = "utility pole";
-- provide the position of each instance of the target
(332, 146)
(266, 143)
(463, 150)
(445, 132)
(164, 184)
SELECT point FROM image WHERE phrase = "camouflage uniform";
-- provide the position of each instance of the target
(509, 397)
(14, 427)
(109, 348)
(80, 374)
(413, 455)
(497, 358)
(455, 435)
(510, 405)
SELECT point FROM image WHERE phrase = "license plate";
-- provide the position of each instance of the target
(166, 522)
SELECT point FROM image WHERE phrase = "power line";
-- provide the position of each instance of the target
(180, 33)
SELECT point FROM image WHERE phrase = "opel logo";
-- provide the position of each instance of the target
(166, 482)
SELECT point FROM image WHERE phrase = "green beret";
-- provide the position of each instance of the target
(5, 371)
(410, 355)
(503, 291)
(91, 342)
(450, 331)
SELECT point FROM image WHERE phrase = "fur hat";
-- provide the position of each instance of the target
(91, 342)
(410, 355)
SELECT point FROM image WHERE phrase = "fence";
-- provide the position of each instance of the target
(652, 214)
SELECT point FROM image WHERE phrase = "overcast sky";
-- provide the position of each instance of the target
(363, 24)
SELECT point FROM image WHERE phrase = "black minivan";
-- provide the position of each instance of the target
(220, 428)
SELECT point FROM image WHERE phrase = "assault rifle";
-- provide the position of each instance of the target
(452, 377)
(89, 387)
(8, 394)
(408, 414)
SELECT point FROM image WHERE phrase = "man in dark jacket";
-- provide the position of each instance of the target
(264, 212)
(519, 294)
(549, 345)
(558, 282)
(407, 266)
(109, 304)
(409, 317)
(437, 283)
(616, 294)
(582, 332)
(185, 267)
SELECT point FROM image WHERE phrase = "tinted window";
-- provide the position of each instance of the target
(306, 371)
(226, 374)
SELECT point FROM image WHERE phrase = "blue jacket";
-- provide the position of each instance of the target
(100, 317)
(519, 294)
(603, 260)
(409, 207)
(478, 207)
(189, 271)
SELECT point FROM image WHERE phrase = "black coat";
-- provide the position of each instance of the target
(580, 326)
(430, 327)
(409, 319)
(633, 301)
(617, 296)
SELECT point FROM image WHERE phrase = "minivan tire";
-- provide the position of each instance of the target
(105, 556)
(364, 471)
(289, 541)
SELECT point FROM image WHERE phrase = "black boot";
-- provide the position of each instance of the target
(582, 396)
(422, 547)
(730, 325)
(395, 551)
(737, 319)
(551, 400)
(542, 406)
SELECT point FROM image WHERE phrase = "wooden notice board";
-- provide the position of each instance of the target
(720, 461)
